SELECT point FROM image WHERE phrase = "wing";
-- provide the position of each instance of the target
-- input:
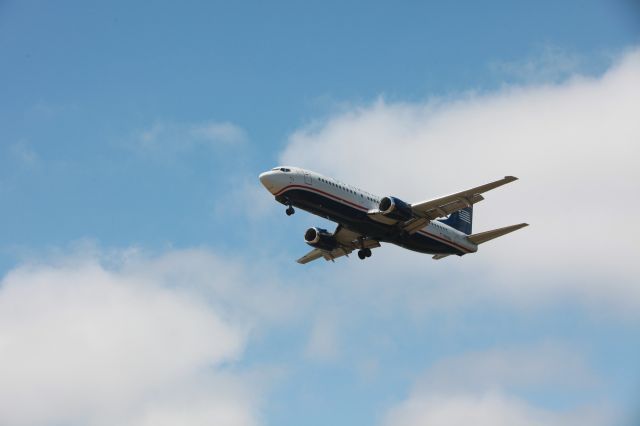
(444, 206)
(348, 241)
(426, 211)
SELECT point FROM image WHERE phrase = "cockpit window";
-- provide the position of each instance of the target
(281, 169)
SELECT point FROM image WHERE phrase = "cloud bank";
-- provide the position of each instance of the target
(488, 388)
(126, 339)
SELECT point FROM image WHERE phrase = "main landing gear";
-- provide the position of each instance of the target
(364, 253)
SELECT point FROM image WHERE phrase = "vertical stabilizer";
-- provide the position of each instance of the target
(460, 220)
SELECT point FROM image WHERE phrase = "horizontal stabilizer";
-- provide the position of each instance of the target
(483, 237)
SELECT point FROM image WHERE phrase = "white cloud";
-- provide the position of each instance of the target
(253, 296)
(246, 197)
(488, 409)
(122, 338)
(484, 388)
(323, 344)
(24, 153)
(512, 368)
(171, 138)
(574, 145)
(548, 63)
(225, 132)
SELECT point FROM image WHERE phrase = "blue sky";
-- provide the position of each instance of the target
(131, 137)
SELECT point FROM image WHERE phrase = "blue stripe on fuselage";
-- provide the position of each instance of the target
(359, 221)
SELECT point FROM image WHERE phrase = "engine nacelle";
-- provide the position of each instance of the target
(395, 208)
(320, 238)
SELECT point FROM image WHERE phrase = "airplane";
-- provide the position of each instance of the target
(440, 226)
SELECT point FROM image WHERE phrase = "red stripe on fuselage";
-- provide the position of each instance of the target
(328, 194)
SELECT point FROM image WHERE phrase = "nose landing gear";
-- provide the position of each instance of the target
(289, 211)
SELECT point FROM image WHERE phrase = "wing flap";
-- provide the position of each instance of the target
(443, 206)
(345, 250)
(377, 215)
(345, 236)
(440, 256)
(414, 225)
(336, 253)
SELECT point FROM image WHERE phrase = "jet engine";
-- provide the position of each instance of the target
(320, 238)
(395, 208)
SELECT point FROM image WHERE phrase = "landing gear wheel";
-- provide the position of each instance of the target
(289, 211)
(361, 254)
(367, 252)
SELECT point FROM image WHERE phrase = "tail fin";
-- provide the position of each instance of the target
(460, 220)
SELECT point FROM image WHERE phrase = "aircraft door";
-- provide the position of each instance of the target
(307, 179)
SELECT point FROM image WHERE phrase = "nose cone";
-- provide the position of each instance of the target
(268, 180)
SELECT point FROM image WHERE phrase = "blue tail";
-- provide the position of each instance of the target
(461, 220)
